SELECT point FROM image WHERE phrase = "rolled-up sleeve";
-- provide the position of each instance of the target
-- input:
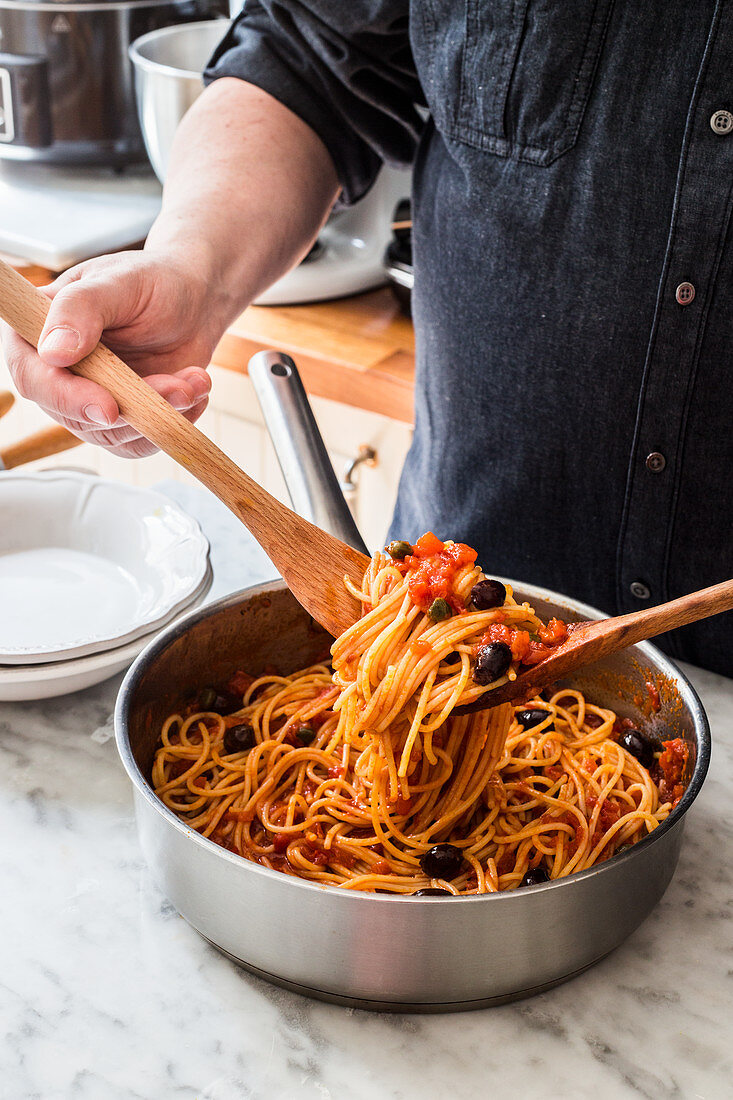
(344, 66)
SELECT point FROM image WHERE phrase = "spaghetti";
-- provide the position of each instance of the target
(360, 777)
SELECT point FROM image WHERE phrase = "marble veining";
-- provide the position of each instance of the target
(105, 992)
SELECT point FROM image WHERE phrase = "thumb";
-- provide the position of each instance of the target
(76, 319)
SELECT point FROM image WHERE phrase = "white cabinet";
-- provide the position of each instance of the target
(234, 422)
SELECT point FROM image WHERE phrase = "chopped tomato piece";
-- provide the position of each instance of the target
(672, 763)
(524, 649)
(280, 842)
(240, 682)
(555, 633)
(427, 545)
(240, 815)
(381, 867)
(653, 695)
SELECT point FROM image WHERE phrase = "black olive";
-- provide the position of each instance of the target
(529, 718)
(639, 745)
(487, 594)
(452, 658)
(492, 661)
(306, 735)
(431, 892)
(443, 861)
(226, 703)
(239, 738)
(534, 877)
(399, 550)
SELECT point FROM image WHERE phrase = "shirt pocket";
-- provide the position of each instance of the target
(512, 77)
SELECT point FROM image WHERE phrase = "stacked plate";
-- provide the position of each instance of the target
(90, 570)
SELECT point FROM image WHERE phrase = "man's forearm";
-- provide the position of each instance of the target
(248, 188)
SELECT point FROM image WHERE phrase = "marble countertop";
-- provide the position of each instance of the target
(105, 992)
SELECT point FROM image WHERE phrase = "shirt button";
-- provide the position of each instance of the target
(685, 293)
(639, 590)
(655, 462)
(721, 122)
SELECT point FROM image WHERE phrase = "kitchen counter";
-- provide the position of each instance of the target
(105, 992)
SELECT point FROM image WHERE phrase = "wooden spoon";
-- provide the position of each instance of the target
(41, 444)
(7, 400)
(591, 641)
(312, 563)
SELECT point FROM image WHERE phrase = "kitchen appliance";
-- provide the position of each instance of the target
(66, 83)
(348, 255)
(367, 950)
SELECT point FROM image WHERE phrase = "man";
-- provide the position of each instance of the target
(573, 189)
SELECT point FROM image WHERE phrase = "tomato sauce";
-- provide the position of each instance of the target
(432, 570)
(240, 683)
(609, 814)
(525, 649)
(672, 764)
(653, 693)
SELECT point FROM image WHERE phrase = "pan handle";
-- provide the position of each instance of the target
(309, 476)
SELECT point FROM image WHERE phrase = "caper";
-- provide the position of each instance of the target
(399, 550)
(439, 610)
(306, 735)
(206, 698)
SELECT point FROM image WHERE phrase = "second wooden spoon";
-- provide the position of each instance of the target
(590, 641)
(312, 563)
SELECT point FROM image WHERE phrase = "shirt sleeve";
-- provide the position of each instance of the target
(344, 66)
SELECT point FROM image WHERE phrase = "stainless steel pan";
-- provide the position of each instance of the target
(378, 951)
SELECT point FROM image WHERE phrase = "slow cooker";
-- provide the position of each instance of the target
(67, 93)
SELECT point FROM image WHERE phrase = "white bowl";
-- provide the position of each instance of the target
(88, 565)
(22, 683)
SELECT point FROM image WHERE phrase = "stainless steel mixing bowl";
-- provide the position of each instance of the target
(377, 951)
(168, 66)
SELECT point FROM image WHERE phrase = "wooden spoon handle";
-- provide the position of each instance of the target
(7, 401)
(48, 441)
(598, 638)
(640, 625)
(24, 308)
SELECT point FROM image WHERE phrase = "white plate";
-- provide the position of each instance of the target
(46, 681)
(87, 565)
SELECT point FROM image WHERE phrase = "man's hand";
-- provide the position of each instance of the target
(152, 313)
(249, 186)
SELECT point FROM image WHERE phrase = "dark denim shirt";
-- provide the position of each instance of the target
(573, 301)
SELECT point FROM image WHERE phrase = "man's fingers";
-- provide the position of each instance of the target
(60, 393)
(140, 447)
(78, 314)
(124, 440)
